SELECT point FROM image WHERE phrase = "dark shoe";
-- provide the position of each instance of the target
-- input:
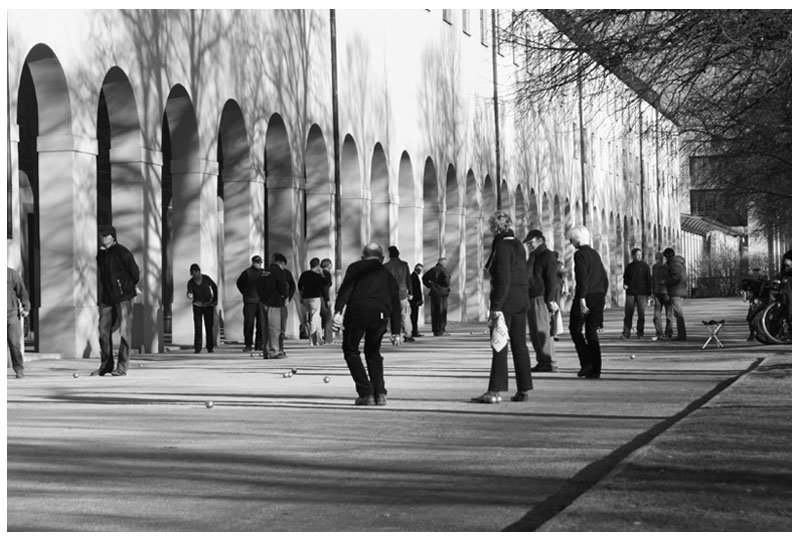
(417, 335)
(592, 376)
(624, 336)
(281, 355)
(380, 399)
(444, 333)
(20, 374)
(367, 400)
(118, 373)
(100, 372)
(544, 368)
(584, 372)
(680, 339)
(211, 350)
(520, 397)
(197, 351)
(408, 339)
(488, 398)
(247, 349)
(270, 357)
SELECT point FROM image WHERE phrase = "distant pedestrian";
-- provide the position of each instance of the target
(416, 299)
(247, 284)
(591, 286)
(677, 288)
(280, 258)
(638, 286)
(19, 306)
(326, 308)
(370, 300)
(273, 289)
(311, 285)
(508, 308)
(402, 276)
(118, 275)
(543, 289)
(437, 278)
(201, 290)
(661, 303)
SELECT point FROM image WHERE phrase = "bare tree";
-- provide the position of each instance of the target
(722, 76)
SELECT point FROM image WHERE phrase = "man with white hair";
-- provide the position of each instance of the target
(591, 285)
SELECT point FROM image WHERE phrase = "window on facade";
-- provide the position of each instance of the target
(465, 16)
(447, 16)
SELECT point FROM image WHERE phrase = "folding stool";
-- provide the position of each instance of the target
(714, 327)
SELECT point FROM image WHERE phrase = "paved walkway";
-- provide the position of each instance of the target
(673, 438)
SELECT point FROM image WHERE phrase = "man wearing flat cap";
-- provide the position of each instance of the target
(118, 275)
(543, 287)
(247, 284)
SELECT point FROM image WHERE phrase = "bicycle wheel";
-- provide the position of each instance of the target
(774, 324)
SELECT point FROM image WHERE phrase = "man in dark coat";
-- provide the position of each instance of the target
(273, 289)
(402, 276)
(247, 284)
(508, 306)
(437, 278)
(369, 299)
(591, 286)
(678, 289)
(543, 289)
(18, 307)
(118, 275)
(202, 291)
(416, 299)
(638, 285)
(661, 304)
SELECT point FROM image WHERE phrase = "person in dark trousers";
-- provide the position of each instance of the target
(591, 286)
(543, 289)
(402, 276)
(508, 270)
(677, 288)
(118, 274)
(326, 312)
(437, 278)
(273, 289)
(661, 304)
(281, 259)
(370, 300)
(638, 286)
(247, 284)
(416, 299)
(18, 307)
(310, 285)
(201, 290)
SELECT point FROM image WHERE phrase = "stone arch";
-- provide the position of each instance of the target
(128, 197)
(473, 253)
(189, 214)
(320, 229)
(352, 199)
(431, 214)
(408, 233)
(63, 292)
(453, 245)
(520, 216)
(242, 227)
(379, 204)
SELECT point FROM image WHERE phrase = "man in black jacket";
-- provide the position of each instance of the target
(247, 284)
(416, 299)
(509, 303)
(638, 285)
(542, 292)
(273, 289)
(118, 275)
(437, 278)
(591, 285)
(369, 298)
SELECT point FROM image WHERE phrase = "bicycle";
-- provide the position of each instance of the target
(769, 316)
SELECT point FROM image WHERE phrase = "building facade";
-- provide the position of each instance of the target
(208, 136)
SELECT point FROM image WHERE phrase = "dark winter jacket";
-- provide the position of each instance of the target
(247, 284)
(590, 274)
(438, 280)
(660, 277)
(402, 275)
(311, 284)
(370, 293)
(543, 274)
(416, 289)
(203, 294)
(637, 278)
(117, 274)
(676, 283)
(508, 269)
(273, 289)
